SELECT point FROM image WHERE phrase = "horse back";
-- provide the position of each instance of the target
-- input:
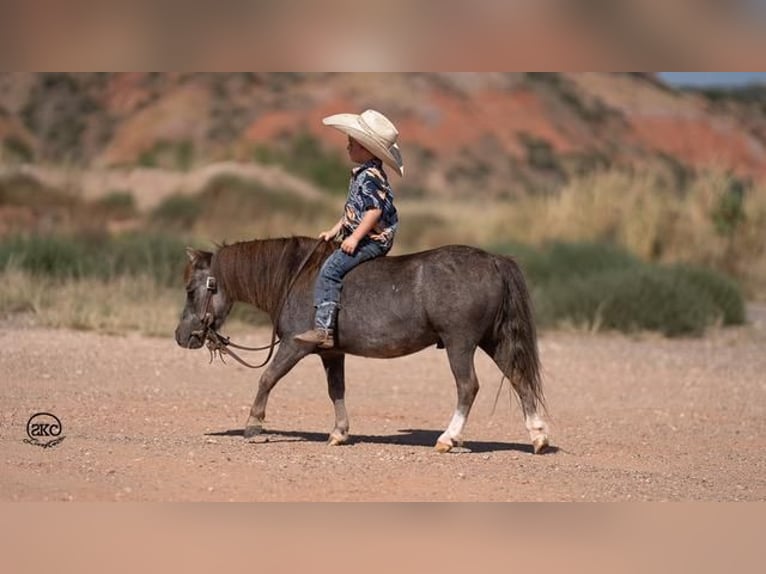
(401, 304)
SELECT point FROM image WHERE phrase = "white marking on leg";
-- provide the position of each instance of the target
(341, 416)
(536, 426)
(454, 430)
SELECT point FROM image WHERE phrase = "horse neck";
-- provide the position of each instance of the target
(258, 272)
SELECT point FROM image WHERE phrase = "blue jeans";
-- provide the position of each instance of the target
(329, 282)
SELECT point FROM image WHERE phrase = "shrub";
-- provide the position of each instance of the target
(540, 154)
(26, 190)
(728, 213)
(652, 299)
(177, 211)
(234, 207)
(601, 287)
(305, 156)
(724, 292)
(117, 204)
(629, 300)
(177, 155)
(564, 261)
(56, 112)
(327, 170)
(16, 150)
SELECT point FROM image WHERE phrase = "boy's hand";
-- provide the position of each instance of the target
(349, 245)
(326, 235)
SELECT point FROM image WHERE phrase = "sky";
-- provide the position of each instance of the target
(713, 78)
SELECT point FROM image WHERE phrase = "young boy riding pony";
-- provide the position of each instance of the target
(368, 225)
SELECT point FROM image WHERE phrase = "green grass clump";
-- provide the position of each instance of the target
(48, 256)
(601, 287)
(159, 257)
(177, 212)
(117, 205)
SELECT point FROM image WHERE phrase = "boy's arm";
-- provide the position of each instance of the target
(370, 218)
(332, 232)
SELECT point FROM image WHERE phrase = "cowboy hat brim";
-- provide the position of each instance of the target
(351, 125)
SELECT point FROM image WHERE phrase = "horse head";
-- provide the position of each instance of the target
(206, 307)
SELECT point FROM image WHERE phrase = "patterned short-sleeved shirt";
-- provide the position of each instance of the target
(369, 189)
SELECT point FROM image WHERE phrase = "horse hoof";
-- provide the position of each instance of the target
(442, 447)
(252, 431)
(540, 444)
(336, 440)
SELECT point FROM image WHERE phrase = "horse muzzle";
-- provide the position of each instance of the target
(190, 338)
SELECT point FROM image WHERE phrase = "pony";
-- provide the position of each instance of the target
(457, 297)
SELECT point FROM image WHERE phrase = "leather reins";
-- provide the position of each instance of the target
(220, 344)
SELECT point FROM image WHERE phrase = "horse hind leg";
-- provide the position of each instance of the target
(461, 363)
(524, 385)
(536, 425)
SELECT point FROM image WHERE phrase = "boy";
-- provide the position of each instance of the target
(369, 220)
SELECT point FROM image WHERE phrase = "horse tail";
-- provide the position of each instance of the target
(515, 349)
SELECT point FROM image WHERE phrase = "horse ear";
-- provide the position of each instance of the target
(196, 256)
(192, 254)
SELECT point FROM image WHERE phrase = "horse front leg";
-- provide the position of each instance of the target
(334, 367)
(461, 363)
(285, 359)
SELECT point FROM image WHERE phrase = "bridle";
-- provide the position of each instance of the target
(219, 345)
(211, 288)
(206, 319)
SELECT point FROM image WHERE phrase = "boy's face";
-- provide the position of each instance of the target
(357, 152)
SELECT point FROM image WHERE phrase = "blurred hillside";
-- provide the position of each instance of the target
(618, 193)
(464, 134)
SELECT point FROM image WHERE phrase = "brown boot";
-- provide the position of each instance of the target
(319, 337)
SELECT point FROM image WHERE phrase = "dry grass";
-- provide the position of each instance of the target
(115, 306)
(636, 211)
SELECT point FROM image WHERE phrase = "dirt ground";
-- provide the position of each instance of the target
(632, 419)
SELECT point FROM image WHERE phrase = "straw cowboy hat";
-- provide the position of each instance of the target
(374, 131)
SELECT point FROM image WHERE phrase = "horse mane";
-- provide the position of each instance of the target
(259, 271)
